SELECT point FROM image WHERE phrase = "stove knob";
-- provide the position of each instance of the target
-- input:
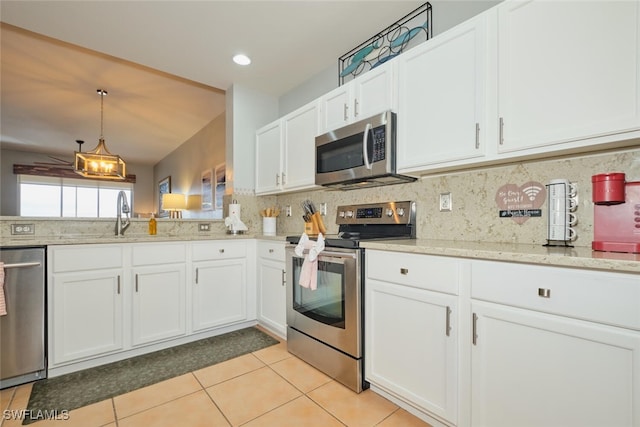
(341, 214)
(349, 214)
(400, 211)
(389, 212)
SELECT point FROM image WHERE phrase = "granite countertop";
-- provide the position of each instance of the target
(578, 257)
(80, 239)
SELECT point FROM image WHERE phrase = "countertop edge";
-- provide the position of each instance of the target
(578, 257)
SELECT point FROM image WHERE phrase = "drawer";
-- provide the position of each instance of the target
(219, 249)
(158, 253)
(440, 274)
(611, 298)
(271, 250)
(85, 257)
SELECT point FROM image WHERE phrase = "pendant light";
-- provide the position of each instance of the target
(100, 163)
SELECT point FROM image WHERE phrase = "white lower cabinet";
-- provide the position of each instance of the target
(272, 287)
(110, 301)
(219, 284)
(85, 297)
(158, 276)
(490, 344)
(554, 346)
(158, 303)
(86, 312)
(219, 292)
(411, 332)
(534, 369)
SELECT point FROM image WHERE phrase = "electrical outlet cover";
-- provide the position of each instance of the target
(445, 202)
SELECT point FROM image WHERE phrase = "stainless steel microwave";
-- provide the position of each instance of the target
(359, 155)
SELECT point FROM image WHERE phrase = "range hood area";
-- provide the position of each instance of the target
(377, 181)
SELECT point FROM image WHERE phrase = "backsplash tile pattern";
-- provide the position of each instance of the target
(474, 216)
(475, 213)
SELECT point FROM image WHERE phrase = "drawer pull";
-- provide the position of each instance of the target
(474, 327)
(270, 251)
(544, 293)
(404, 271)
(221, 251)
(448, 322)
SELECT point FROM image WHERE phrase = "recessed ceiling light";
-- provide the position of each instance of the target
(242, 59)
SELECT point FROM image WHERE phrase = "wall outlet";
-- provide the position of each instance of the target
(323, 209)
(445, 202)
(288, 210)
(204, 226)
(22, 229)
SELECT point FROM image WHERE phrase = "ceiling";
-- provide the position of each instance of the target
(165, 64)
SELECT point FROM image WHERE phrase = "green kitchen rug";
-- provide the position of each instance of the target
(77, 389)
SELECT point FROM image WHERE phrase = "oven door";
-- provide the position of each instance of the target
(332, 312)
(358, 151)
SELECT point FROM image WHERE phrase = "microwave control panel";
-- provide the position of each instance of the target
(379, 143)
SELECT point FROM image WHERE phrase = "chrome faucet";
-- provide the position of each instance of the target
(123, 208)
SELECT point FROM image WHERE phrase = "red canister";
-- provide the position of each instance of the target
(608, 188)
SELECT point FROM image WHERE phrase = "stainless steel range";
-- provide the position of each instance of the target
(325, 321)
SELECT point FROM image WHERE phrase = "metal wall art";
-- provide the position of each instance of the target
(412, 29)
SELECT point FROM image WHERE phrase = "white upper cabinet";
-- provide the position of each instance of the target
(300, 129)
(268, 166)
(568, 73)
(441, 98)
(285, 152)
(366, 95)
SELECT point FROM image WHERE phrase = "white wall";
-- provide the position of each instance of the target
(247, 111)
(203, 151)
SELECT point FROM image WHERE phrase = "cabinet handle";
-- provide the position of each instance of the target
(404, 271)
(118, 284)
(355, 108)
(284, 278)
(346, 108)
(448, 323)
(474, 327)
(544, 293)
(270, 251)
(136, 282)
(221, 251)
(284, 176)
(501, 137)
(277, 179)
(477, 135)
(197, 270)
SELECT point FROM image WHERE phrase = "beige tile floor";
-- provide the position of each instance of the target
(266, 388)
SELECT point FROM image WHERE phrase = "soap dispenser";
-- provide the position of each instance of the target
(153, 225)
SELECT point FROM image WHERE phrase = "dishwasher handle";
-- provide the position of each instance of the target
(23, 265)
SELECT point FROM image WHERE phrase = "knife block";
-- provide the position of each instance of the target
(315, 226)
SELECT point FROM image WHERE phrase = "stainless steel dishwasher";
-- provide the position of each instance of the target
(23, 328)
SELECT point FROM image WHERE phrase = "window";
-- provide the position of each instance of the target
(72, 198)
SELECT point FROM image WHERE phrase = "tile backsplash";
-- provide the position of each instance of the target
(475, 213)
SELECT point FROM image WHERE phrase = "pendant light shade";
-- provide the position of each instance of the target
(100, 163)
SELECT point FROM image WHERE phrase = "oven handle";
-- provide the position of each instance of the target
(365, 152)
(325, 254)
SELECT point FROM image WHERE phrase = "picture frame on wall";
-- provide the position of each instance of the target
(220, 185)
(207, 190)
(164, 187)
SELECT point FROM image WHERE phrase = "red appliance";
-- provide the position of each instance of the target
(616, 214)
